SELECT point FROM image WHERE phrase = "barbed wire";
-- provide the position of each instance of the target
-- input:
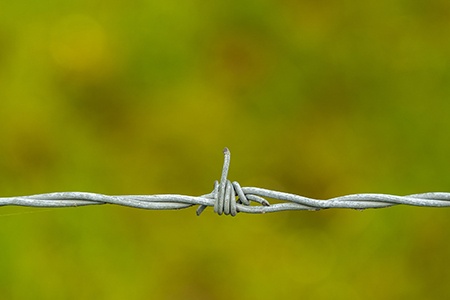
(229, 198)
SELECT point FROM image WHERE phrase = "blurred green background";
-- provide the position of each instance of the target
(318, 98)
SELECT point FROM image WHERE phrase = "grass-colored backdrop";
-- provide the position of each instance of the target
(318, 98)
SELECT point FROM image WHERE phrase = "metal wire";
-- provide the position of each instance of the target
(229, 198)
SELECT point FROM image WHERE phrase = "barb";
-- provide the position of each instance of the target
(229, 198)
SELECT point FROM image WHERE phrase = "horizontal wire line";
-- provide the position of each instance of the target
(229, 198)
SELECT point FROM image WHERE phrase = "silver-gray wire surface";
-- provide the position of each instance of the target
(229, 198)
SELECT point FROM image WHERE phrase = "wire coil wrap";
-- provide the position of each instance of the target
(229, 198)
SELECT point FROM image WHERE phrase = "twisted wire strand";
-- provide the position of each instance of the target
(229, 198)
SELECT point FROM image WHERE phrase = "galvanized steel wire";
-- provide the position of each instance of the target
(229, 198)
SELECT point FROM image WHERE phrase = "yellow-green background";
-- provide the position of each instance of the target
(318, 98)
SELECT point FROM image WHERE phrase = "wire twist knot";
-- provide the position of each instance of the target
(227, 195)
